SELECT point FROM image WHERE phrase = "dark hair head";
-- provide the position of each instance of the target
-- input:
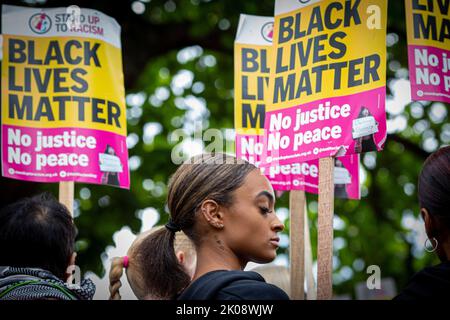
(109, 147)
(338, 163)
(205, 177)
(37, 232)
(434, 185)
(361, 111)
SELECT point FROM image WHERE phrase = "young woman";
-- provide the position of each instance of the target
(365, 143)
(340, 190)
(434, 200)
(111, 178)
(226, 207)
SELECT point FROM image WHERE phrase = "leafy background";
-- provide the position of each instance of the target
(178, 68)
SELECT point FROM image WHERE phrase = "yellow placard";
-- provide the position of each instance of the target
(251, 84)
(327, 49)
(57, 82)
(428, 23)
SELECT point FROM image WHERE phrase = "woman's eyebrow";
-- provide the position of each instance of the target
(266, 194)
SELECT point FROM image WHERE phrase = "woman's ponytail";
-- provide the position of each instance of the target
(167, 277)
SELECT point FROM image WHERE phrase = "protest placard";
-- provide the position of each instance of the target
(63, 99)
(328, 70)
(428, 31)
(253, 53)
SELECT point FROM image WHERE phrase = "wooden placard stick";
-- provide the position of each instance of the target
(297, 202)
(66, 193)
(311, 293)
(325, 229)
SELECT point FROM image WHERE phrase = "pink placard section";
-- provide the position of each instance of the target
(325, 128)
(429, 72)
(302, 176)
(65, 154)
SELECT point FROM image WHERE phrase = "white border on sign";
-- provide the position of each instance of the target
(250, 30)
(12, 16)
(283, 6)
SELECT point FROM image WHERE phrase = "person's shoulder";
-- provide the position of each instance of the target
(429, 283)
(251, 290)
(232, 285)
(251, 287)
(439, 273)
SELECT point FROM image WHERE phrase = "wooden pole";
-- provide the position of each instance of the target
(310, 285)
(297, 202)
(66, 193)
(325, 229)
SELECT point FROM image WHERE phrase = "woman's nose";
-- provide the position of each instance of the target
(277, 225)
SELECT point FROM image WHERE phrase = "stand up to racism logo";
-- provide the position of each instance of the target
(267, 31)
(40, 23)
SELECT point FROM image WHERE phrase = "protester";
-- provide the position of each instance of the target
(137, 266)
(340, 189)
(226, 207)
(434, 199)
(37, 240)
(365, 143)
(109, 177)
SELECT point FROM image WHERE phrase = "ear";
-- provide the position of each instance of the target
(181, 257)
(212, 213)
(72, 259)
(71, 263)
(429, 224)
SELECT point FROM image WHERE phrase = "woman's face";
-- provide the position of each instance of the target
(250, 224)
(365, 112)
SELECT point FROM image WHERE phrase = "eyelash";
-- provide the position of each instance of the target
(265, 210)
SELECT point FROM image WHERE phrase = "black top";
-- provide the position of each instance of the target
(430, 283)
(232, 285)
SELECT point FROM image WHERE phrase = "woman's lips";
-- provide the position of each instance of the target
(275, 241)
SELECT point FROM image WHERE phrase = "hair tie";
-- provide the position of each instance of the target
(173, 227)
(125, 262)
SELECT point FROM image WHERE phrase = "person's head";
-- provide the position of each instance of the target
(37, 232)
(364, 112)
(109, 150)
(434, 199)
(137, 266)
(220, 202)
(338, 163)
(276, 275)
